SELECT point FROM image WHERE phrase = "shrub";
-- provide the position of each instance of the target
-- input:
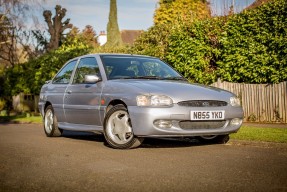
(253, 45)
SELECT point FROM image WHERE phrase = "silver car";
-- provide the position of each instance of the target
(131, 97)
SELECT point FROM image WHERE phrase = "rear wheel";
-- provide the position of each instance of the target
(218, 139)
(118, 129)
(50, 123)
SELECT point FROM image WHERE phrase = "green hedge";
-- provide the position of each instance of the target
(193, 50)
(249, 47)
(253, 46)
(30, 76)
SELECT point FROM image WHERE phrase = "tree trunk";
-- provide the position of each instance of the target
(55, 26)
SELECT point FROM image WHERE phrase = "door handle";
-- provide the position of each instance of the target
(69, 91)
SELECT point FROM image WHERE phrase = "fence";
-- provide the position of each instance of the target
(260, 102)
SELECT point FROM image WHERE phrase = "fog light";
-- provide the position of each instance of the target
(236, 121)
(163, 123)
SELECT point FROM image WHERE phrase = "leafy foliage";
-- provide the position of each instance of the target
(30, 76)
(254, 48)
(173, 11)
(249, 47)
(153, 42)
(87, 36)
(193, 50)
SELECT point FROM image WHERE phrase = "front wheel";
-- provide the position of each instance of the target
(218, 139)
(118, 129)
(50, 123)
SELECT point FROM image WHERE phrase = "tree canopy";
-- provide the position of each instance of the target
(173, 11)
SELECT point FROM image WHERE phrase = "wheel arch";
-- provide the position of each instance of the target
(114, 103)
(47, 104)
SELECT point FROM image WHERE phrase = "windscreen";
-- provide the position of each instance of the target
(125, 67)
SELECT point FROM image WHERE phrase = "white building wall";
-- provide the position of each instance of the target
(102, 38)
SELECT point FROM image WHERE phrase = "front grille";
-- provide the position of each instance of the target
(202, 103)
(201, 124)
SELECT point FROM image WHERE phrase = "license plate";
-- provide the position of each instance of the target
(207, 115)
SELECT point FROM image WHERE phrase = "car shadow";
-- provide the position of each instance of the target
(170, 142)
(79, 135)
(147, 143)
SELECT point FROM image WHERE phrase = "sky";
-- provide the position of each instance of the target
(132, 14)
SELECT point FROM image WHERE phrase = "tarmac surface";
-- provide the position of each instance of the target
(77, 161)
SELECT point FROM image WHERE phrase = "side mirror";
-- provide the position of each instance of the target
(92, 79)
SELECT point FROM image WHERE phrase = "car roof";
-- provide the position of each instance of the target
(113, 54)
(110, 54)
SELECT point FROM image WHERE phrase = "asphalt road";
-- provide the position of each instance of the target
(29, 161)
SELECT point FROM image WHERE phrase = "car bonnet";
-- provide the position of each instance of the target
(180, 90)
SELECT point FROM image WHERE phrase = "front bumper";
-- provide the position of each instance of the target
(143, 118)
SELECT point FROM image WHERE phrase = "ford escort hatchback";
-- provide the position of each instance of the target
(131, 97)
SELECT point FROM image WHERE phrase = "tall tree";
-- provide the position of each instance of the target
(114, 35)
(56, 27)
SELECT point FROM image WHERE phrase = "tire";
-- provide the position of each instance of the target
(50, 123)
(118, 129)
(216, 139)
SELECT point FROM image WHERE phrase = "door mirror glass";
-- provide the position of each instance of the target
(92, 79)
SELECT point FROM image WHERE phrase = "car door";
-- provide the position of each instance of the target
(58, 87)
(82, 100)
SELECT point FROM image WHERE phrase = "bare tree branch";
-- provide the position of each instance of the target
(55, 26)
(13, 20)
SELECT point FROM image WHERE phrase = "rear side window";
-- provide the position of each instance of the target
(64, 76)
(87, 66)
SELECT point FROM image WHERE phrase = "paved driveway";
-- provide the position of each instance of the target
(29, 161)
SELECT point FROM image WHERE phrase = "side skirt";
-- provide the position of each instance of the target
(80, 127)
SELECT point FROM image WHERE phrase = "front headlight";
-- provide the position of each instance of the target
(235, 101)
(154, 100)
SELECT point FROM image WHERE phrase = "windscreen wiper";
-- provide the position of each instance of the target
(175, 78)
(153, 77)
(147, 77)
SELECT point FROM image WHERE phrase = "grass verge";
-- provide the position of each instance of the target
(249, 133)
(20, 119)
